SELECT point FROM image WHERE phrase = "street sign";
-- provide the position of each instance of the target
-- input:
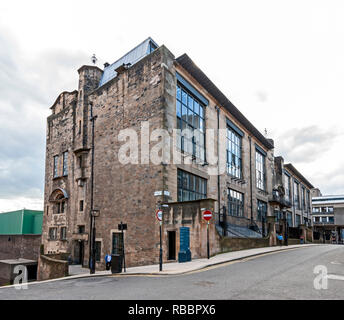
(161, 193)
(207, 215)
(122, 227)
(159, 215)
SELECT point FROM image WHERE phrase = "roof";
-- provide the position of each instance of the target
(208, 85)
(133, 56)
(298, 174)
(21, 222)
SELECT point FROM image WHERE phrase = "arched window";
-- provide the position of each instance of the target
(59, 197)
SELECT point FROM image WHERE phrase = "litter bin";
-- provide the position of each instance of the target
(302, 240)
(116, 263)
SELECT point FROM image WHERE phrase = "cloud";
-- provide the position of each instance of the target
(299, 144)
(26, 93)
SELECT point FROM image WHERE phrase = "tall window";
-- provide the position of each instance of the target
(289, 219)
(297, 220)
(262, 210)
(191, 187)
(296, 195)
(235, 203)
(81, 205)
(260, 170)
(56, 161)
(234, 162)
(52, 233)
(287, 187)
(65, 163)
(190, 115)
(308, 201)
(98, 250)
(303, 198)
(63, 235)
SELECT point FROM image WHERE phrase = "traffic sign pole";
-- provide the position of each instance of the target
(160, 255)
(208, 251)
(159, 215)
(208, 215)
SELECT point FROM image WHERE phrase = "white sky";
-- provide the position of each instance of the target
(280, 62)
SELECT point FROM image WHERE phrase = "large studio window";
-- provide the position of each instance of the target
(260, 171)
(191, 122)
(234, 162)
(235, 203)
(191, 187)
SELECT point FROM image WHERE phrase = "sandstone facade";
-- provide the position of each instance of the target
(144, 91)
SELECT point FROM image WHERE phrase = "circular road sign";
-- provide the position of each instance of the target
(207, 215)
(159, 215)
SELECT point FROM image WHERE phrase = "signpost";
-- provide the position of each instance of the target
(159, 215)
(207, 216)
(122, 227)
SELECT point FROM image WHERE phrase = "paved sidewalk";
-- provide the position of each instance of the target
(176, 268)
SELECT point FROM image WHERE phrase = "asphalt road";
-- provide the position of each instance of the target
(283, 275)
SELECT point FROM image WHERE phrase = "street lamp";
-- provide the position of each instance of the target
(93, 213)
(284, 210)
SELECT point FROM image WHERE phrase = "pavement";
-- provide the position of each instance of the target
(175, 268)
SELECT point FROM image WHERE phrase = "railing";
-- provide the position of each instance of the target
(242, 226)
(282, 201)
(323, 223)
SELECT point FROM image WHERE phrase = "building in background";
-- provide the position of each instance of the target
(20, 234)
(297, 191)
(328, 218)
(149, 84)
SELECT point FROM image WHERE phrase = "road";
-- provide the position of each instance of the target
(282, 275)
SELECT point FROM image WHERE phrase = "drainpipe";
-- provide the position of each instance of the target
(218, 162)
(251, 183)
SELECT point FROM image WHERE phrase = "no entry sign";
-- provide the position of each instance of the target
(159, 215)
(207, 215)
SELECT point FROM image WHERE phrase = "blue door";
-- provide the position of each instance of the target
(184, 254)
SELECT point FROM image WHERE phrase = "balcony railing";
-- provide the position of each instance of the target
(323, 223)
(276, 199)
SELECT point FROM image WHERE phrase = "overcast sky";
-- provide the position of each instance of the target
(280, 62)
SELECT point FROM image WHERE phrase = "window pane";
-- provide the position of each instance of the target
(179, 93)
(184, 97)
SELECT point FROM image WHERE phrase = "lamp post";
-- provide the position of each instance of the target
(93, 213)
(284, 210)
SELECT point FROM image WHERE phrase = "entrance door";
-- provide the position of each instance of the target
(81, 252)
(117, 243)
(171, 245)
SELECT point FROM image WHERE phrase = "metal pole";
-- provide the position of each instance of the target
(208, 250)
(160, 255)
(123, 246)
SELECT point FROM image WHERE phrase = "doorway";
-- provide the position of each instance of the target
(171, 245)
(81, 253)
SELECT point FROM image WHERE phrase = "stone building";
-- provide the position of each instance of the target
(227, 165)
(297, 192)
(328, 217)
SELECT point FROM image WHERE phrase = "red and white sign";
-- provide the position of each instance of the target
(207, 215)
(159, 215)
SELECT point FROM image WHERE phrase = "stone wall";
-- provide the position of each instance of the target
(235, 244)
(49, 268)
(19, 246)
